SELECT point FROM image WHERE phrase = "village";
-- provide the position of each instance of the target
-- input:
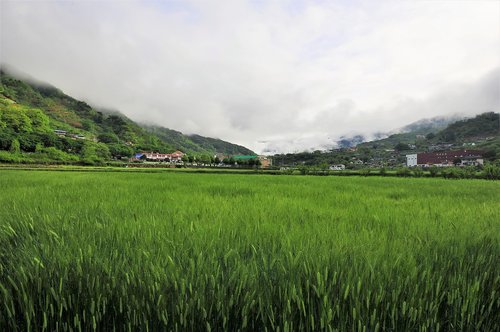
(444, 158)
(179, 158)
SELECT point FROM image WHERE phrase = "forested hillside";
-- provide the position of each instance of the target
(480, 127)
(39, 123)
(197, 143)
(481, 132)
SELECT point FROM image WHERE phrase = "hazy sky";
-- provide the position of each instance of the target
(270, 75)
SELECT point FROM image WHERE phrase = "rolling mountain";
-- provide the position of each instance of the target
(406, 133)
(38, 122)
(481, 132)
(443, 130)
(196, 143)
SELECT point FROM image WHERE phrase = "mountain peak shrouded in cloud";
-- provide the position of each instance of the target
(273, 76)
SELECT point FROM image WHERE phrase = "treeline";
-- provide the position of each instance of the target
(490, 172)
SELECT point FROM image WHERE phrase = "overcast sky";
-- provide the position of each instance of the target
(270, 75)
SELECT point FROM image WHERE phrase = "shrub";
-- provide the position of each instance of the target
(403, 171)
(491, 172)
(365, 171)
(418, 172)
(303, 170)
(453, 173)
(434, 171)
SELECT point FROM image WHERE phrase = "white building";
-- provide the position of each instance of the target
(339, 167)
(411, 160)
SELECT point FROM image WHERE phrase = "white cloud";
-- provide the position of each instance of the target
(295, 74)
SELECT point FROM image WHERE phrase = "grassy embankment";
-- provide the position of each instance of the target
(182, 251)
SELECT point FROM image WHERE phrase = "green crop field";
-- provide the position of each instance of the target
(184, 251)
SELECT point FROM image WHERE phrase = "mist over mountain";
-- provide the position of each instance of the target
(271, 76)
(40, 123)
(420, 127)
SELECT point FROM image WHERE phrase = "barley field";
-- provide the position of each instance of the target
(84, 251)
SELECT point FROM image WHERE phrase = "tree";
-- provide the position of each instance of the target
(92, 153)
(108, 137)
(401, 147)
(28, 141)
(15, 117)
(434, 171)
(88, 125)
(120, 150)
(6, 137)
(102, 151)
(55, 154)
(490, 155)
(449, 136)
(40, 122)
(365, 171)
(205, 159)
(217, 160)
(88, 154)
(15, 147)
(185, 158)
(323, 167)
(2, 123)
(418, 172)
(491, 172)
(304, 170)
(403, 171)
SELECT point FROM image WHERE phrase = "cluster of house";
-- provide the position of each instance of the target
(175, 157)
(59, 132)
(339, 167)
(445, 158)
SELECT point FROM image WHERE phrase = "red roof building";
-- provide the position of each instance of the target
(446, 158)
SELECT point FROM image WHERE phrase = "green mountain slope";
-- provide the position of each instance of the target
(220, 146)
(197, 143)
(478, 128)
(425, 133)
(481, 132)
(39, 123)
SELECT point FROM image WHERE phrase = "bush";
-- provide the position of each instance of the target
(418, 172)
(8, 157)
(469, 172)
(434, 171)
(403, 171)
(491, 172)
(365, 171)
(453, 173)
(304, 170)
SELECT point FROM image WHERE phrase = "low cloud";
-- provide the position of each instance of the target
(273, 76)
